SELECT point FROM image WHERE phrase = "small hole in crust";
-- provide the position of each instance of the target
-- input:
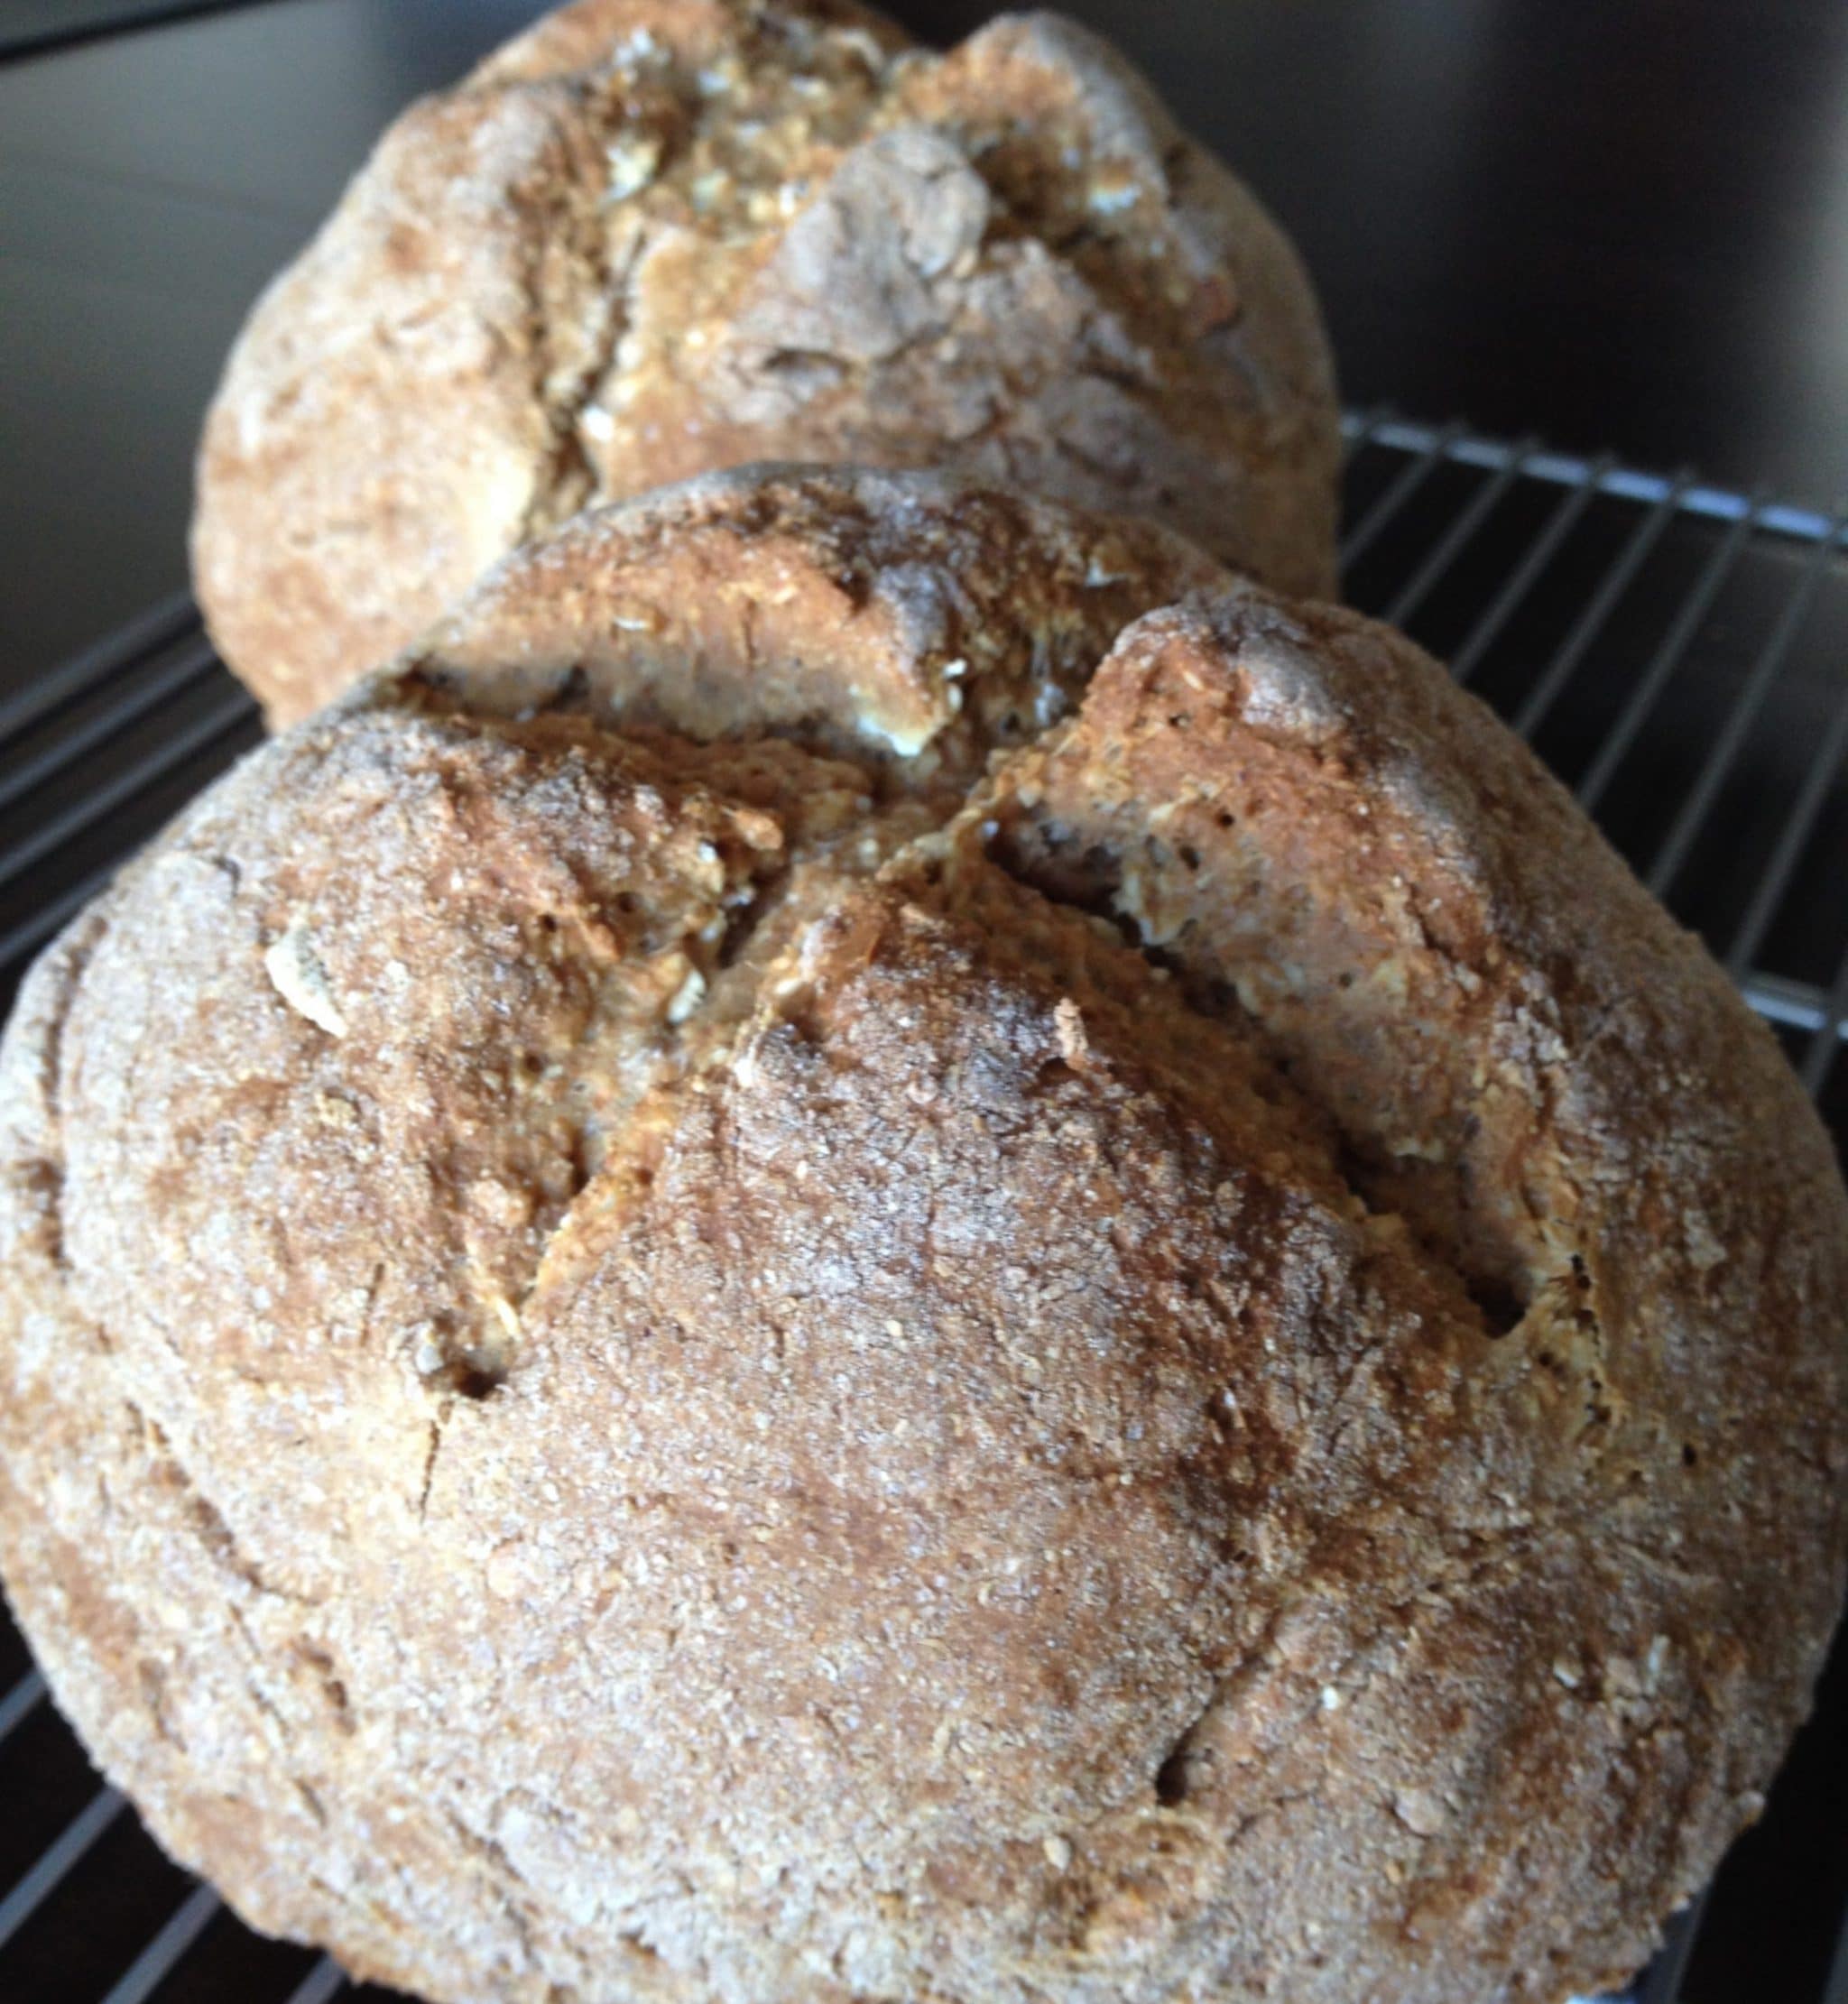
(443, 682)
(474, 1380)
(1171, 1778)
(1690, 1454)
(1502, 1307)
(475, 1372)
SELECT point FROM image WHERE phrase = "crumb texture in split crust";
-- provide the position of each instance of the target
(650, 240)
(880, 1245)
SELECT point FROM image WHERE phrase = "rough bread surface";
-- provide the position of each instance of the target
(686, 1319)
(655, 238)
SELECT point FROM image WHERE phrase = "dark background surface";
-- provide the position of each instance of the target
(1613, 225)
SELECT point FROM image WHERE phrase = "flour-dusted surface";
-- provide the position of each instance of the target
(647, 1360)
(646, 240)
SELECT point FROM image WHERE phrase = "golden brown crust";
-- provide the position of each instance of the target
(1546, 1078)
(649, 239)
(917, 621)
(643, 1358)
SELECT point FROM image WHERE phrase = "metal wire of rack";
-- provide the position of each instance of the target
(1678, 652)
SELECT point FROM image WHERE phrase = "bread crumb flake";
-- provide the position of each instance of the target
(1421, 1812)
(297, 975)
(687, 997)
(633, 159)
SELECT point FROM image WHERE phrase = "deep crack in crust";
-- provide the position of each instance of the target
(654, 1348)
(657, 237)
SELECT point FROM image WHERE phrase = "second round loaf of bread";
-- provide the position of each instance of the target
(653, 238)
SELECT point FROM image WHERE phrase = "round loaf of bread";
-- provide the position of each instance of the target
(881, 1246)
(655, 237)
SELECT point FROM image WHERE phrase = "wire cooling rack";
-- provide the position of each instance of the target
(1678, 651)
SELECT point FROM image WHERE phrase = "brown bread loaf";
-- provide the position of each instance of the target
(653, 238)
(880, 1246)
